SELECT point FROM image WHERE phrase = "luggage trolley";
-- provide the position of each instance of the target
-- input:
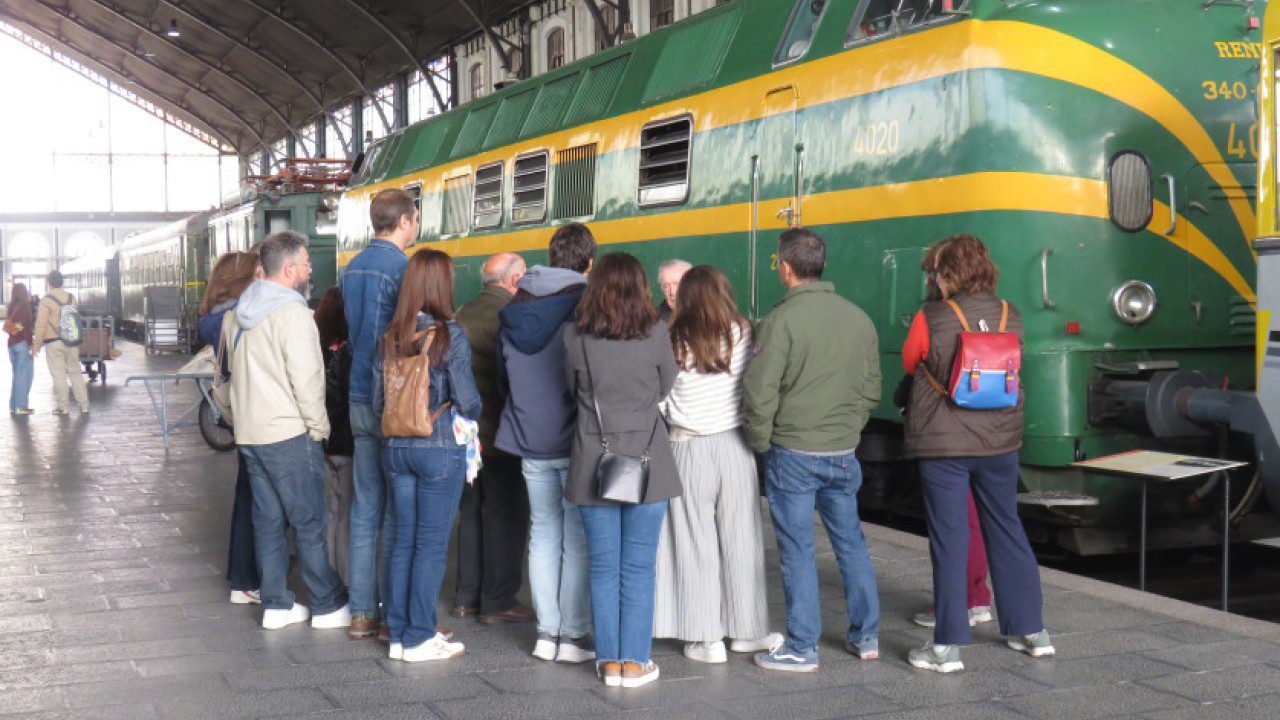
(99, 345)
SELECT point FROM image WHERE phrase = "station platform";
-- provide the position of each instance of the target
(113, 605)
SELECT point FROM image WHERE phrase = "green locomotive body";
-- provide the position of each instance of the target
(1103, 149)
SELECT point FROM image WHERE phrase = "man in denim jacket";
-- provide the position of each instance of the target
(370, 288)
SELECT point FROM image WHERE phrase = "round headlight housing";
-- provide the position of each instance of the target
(1134, 302)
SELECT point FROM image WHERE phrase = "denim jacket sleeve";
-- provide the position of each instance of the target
(462, 383)
(378, 399)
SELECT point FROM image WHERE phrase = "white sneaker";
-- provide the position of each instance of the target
(545, 648)
(768, 642)
(437, 648)
(245, 597)
(276, 619)
(396, 652)
(706, 652)
(979, 614)
(576, 650)
(340, 618)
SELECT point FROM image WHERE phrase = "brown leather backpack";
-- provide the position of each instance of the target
(406, 390)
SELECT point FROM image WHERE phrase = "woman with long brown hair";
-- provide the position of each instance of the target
(17, 324)
(619, 366)
(234, 272)
(339, 490)
(710, 574)
(426, 473)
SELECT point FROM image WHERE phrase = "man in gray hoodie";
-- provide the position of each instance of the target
(277, 398)
(537, 425)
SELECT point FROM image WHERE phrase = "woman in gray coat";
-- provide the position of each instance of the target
(619, 358)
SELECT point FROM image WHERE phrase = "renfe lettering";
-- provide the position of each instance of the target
(1238, 49)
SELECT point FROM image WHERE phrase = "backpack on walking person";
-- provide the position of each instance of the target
(70, 324)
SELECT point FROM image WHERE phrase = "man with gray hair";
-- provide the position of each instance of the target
(493, 516)
(277, 399)
(669, 274)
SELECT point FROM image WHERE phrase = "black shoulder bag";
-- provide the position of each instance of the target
(619, 478)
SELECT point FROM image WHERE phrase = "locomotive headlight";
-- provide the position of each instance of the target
(1134, 302)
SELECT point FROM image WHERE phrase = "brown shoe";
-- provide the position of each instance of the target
(463, 611)
(612, 673)
(515, 614)
(384, 634)
(634, 674)
(363, 626)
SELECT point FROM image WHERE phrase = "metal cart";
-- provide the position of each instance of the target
(163, 313)
(99, 345)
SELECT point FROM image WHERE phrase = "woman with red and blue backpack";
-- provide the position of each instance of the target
(965, 432)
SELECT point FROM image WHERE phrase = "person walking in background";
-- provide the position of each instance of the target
(331, 323)
(370, 285)
(17, 325)
(963, 452)
(233, 273)
(808, 393)
(619, 365)
(669, 274)
(427, 473)
(493, 517)
(537, 425)
(277, 400)
(710, 571)
(63, 359)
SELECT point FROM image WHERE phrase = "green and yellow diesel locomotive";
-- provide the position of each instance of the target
(1105, 150)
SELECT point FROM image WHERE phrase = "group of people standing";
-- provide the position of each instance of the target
(32, 325)
(559, 364)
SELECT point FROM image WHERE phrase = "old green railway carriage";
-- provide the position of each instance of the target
(1104, 150)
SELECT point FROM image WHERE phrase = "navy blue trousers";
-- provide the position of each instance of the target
(1014, 573)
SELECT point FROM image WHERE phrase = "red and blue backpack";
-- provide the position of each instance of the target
(984, 374)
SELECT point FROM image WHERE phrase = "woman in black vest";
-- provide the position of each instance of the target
(962, 450)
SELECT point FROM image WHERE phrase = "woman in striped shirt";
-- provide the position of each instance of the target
(710, 573)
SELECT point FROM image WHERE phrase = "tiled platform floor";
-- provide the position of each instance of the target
(113, 605)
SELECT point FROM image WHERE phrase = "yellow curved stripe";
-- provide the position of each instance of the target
(1203, 249)
(976, 192)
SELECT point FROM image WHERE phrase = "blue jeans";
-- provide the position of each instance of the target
(624, 552)
(288, 484)
(242, 558)
(1014, 572)
(557, 551)
(427, 485)
(797, 484)
(24, 369)
(371, 511)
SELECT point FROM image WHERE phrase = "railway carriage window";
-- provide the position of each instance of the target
(804, 21)
(664, 161)
(529, 187)
(877, 19)
(575, 181)
(457, 205)
(488, 195)
(1129, 196)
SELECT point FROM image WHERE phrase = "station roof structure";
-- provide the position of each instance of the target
(250, 71)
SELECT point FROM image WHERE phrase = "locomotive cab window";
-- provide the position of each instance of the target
(805, 17)
(488, 195)
(529, 188)
(877, 19)
(1129, 195)
(664, 161)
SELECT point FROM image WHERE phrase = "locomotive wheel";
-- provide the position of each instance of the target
(215, 432)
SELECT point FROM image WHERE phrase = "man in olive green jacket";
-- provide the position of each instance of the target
(808, 392)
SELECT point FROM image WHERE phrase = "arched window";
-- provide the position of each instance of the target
(555, 49)
(477, 80)
(30, 251)
(604, 39)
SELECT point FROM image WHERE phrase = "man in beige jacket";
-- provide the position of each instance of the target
(277, 399)
(63, 359)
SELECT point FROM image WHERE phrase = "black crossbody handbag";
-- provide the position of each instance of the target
(619, 478)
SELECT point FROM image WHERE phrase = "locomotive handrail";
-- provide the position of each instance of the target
(1173, 203)
(1044, 278)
